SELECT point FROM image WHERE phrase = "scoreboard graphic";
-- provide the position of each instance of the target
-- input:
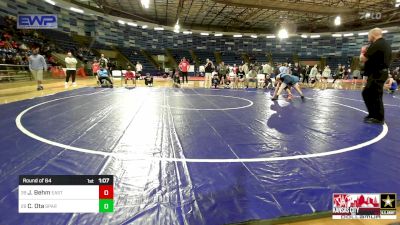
(66, 194)
(364, 206)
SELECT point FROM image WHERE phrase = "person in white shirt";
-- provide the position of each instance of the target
(325, 75)
(139, 69)
(267, 69)
(246, 68)
(70, 63)
(313, 75)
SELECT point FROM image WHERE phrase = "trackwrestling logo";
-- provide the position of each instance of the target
(364, 206)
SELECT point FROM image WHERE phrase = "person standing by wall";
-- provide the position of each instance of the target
(184, 67)
(325, 75)
(313, 75)
(209, 68)
(139, 69)
(222, 71)
(296, 70)
(377, 60)
(36, 65)
(103, 61)
(306, 74)
(70, 63)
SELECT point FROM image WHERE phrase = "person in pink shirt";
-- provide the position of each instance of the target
(184, 67)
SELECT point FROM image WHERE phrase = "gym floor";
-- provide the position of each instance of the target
(197, 156)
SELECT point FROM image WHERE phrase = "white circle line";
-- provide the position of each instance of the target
(352, 99)
(206, 109)
(123, 156)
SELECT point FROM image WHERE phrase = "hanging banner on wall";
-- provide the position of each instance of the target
(37, 21)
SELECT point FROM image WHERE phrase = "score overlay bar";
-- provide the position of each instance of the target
(66, 194)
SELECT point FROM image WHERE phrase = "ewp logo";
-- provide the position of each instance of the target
(37, 21)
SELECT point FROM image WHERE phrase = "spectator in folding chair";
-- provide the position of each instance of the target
(251, 77)
(215, 81)
(356, 75)
(148, 80)
(176, 78)
(227, 82)
(130, 75)
(241, 77)
(268, 82)
(104, 76)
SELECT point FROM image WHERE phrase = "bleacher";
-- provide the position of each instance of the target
(231, 58)
(282, 58)
(334, 61)
(135, 55)
(178, 54)
(203, 55)
(259, 57)
(98, 46)
(62, 39)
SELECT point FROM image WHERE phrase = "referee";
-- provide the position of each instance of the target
(377, 61)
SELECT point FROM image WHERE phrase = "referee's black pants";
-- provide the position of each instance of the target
(373, 93)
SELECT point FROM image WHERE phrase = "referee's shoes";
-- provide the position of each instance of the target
(373, 121)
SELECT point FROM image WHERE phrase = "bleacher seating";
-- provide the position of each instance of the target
(62, 39)
(231, 58)
(135, 55)
(203, 55)
(178, 54)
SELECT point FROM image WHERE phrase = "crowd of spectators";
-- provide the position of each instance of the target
(17, 44)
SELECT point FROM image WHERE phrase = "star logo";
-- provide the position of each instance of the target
(388, 202)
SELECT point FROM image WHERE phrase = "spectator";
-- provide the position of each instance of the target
(251, 76)
(95, 67)
(222, 71)
(306, 74)
(209, 68)
(356, 75)
(70, 63)
(129, 75)
(313, 74)
(325, 75)
(184, 67)
(37, 65)
(103, 62)
(148, 80)
(139, 69)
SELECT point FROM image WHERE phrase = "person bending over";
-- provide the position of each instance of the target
(286, 80)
